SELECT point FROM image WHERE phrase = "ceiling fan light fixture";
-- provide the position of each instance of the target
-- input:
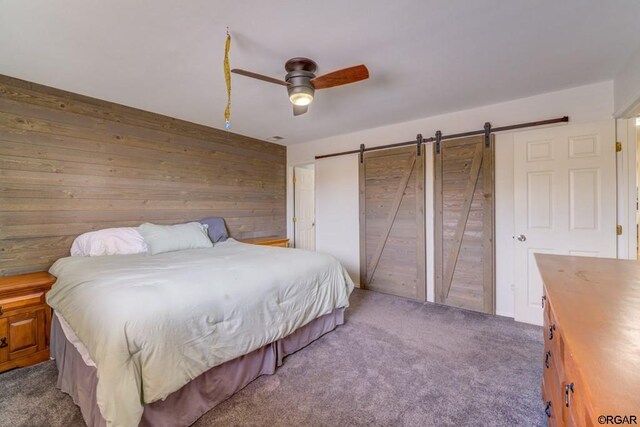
(302, 82)
(300, 95)
(301, 99)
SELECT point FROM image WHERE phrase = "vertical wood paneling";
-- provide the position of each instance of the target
(71, 164)
(464, 225)
(392, 223)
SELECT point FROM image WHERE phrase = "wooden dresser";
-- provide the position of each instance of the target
(591, 361)
(268, 241)
(25, 319)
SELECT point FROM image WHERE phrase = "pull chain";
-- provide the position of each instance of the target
(227, 78)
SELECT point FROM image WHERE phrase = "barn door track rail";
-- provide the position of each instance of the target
(439, 138)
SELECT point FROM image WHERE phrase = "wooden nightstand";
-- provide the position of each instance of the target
(25, 319)
(268, 241)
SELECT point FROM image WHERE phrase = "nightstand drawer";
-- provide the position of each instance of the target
(26, 334)
(22, 335)
(283, 243)
(268, 241)
(21, 301)
(4, 341)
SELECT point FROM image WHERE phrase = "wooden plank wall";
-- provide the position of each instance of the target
(464, 258)
(71, 164)
(392, 222)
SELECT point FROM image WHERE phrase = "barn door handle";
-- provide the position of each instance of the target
(521, 238)
(3, 342)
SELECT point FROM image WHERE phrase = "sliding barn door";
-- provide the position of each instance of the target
(392, 239)
(464, 250)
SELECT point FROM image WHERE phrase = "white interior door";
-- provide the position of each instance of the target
(565, 202)
(304, 202)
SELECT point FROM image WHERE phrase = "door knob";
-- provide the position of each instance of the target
(521, 237)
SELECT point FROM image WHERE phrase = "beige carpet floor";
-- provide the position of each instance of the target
(394, 363)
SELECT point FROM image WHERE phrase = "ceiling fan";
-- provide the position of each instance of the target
(301, 81)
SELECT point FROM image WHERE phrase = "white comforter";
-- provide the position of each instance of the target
(153, 323)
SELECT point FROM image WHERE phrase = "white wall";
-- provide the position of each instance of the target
(583, 104)
(505, 225)
(627, 87)
(338, 180)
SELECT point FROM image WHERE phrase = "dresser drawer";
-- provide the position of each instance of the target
(575, 399)
(553, 341)
(551, 364)
(554, 370)
(15, 302)
(552, 399)
(545, 304)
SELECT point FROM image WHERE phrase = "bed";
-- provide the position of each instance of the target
(160, 340)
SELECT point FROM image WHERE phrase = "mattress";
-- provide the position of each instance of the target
(74, 340)
(151, 324)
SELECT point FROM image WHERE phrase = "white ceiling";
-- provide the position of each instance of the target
(425, 57)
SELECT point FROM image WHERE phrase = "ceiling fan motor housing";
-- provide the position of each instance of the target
(300, 71)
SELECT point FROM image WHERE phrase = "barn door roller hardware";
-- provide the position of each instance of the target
(487, 134)
(438, 141)
(486, 131)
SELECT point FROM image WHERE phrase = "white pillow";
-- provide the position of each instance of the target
(168, 238)
(110, 241)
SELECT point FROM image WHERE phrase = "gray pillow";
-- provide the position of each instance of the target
(167, 238)
(217, 229)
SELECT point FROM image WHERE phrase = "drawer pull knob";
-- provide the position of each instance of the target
(3, 342)
(544, 298)
(547, 356)
(567, 397)
(547, 409)
(552, 328)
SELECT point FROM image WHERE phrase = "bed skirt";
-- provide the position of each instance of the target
(184, 406)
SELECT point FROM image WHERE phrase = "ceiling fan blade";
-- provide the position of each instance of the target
(259, 76)
(300, 109)
(341, 77)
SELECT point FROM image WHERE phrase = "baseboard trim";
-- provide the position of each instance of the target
(505, 314)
